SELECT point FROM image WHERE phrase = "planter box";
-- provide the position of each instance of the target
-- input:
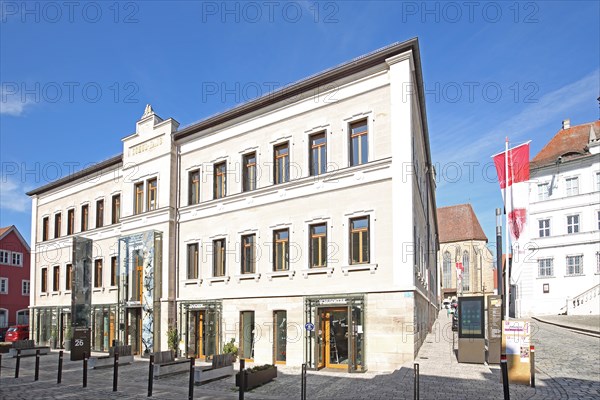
(201, 374)
(108, 361)
(257, 378)
(30, 352)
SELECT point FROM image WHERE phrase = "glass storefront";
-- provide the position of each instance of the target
(51, 326)
(199, 324)
(337, 340)
(103, 326)
(280, 335)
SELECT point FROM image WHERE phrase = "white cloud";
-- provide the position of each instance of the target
(13, 197)
(11, 104)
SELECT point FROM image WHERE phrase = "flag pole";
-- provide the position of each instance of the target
(506, 211)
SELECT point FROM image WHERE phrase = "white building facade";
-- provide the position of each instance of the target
(562, 273)
(300, 225)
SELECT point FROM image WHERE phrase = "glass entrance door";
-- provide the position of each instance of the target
(333, 338)
(196, 334)
(133, 332)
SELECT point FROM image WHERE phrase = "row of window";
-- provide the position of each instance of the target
(573, 225)
(11, 258)
(97, 277)
(359, 245)
(24, 286)
(544, 190)
(573, 264)
(85, 216)
(22, 317)
(358, 154)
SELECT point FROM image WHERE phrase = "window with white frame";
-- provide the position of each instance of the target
(17, 258)
(545, 267)
(572, 223)
(572, 185)
(4, 256)
(543, 191)
(575, 265)
(23, 317)
(4, 285)
(544, 227)
(598, 215)
(598, 262)
(3, 317)
(25, 287)
(597, 180)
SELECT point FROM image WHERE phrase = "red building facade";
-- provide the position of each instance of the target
(14, 278)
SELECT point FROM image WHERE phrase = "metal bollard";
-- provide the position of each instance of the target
(191, 389)
(60, 363)
(242, 378)
(85, 370)
(150, 375)
(18, 365)
(0, 364)
(115, 371)
(532, 365)
(504, 368)
(416, 388)
(303, 383)
(37, 365)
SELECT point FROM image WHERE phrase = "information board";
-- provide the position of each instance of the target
(80, 343)
(471, 317)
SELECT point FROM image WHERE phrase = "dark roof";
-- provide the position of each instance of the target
(116, 160)
(458, 223)
(570, 143)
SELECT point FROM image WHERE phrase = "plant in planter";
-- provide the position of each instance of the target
(231, 349)
(173, 339)
(257, 376)
(53, 337)
(67, 338)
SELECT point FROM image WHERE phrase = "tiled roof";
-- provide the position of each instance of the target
(568, 143)
(3, 230)
(458, 223)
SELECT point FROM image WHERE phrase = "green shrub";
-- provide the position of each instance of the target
(172, 339)
(231, 348)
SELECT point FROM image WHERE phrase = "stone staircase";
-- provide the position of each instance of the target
(587, 303)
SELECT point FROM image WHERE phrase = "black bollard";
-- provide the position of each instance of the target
(303, 383)
(504, 368)
(416, 388)
(37, 365)
(0, 364)
(60, 362)
(18, 365)
(84, 370)
(242, 378)
(150, 375)
(191, 388)
(115, 371)
(532, 365)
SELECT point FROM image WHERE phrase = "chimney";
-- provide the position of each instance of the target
(566, 123)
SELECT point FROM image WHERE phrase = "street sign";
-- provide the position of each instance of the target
(80, 343)
(309, 326)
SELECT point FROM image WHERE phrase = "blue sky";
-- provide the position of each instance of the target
(74, 79)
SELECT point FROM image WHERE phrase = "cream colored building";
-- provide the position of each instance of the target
(298, 224)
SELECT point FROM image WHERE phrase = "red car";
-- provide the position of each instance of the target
(17, 332)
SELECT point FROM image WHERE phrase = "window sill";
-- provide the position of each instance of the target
(217, 279)
(359, 267)
(112, 288)
(190, 282)
(67, 291)
(54, 293)
(546, 277)
(277, 274)
(574, 275)
(239, 278)
(317, 270)
(97, 290)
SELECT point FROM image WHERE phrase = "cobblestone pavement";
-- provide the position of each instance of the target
(568, 366)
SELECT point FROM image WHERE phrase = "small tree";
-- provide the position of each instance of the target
(231, 348)
(172, 339)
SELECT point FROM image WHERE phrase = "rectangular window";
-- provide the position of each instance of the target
(545, 267)
(248, 254)
(25, 288)
(56, 278)
(138, 204)
(598, 263)
(281, 248)
(359, 144)
(544, 227)
(98, 273)
(69, 277)
(57, 224)
(192, 261)
(598, 215)
(220, 180)
(246, 350)
(99, 213)
(71, 221)
(194, 187)
(318, 154)
(280, 334)
(281, 163)
(4, 257)
(574, 265)
(17, 258)
(572, 185)
(573, 224)
(249, 173)
(219, 257)
(116, 209)
(152, 201)
(85, 214)
(45, 228)
(543, 191)
(44, 280)
(4, 285)
(597, 180)
(318, 245)
(113, 271)
(359, 240)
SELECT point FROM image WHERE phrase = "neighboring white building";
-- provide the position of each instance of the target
(562, 273)
(310, 206)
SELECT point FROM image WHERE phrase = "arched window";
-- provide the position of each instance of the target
(447, 270)
(466, 273)
(23, 317)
